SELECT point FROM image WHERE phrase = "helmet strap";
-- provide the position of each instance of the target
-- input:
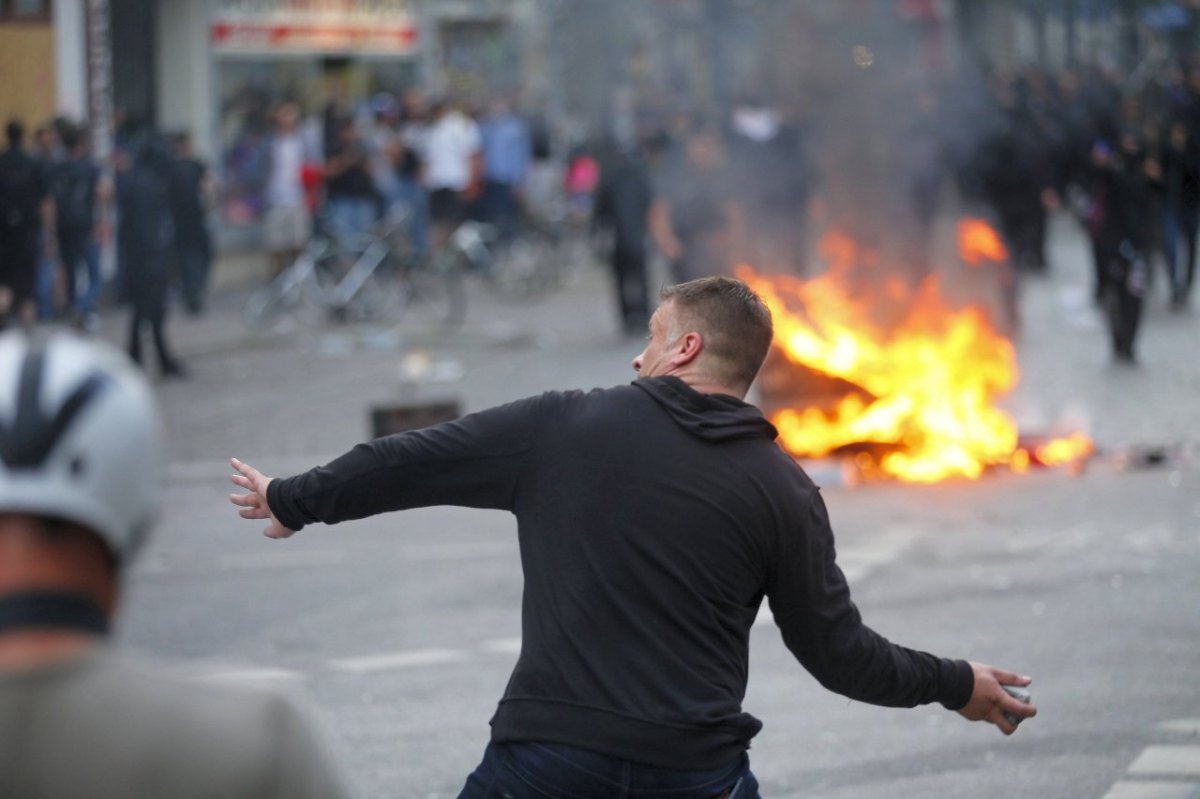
(53, 610)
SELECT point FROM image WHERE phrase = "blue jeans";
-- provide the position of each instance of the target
(351, 216)
(72, 252)
(95, 282)
(1182, 228)
(413, 195)
(556, 771)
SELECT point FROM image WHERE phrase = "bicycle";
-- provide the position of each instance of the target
(336, 279)
(518, 266)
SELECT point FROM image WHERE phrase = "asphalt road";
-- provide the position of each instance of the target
(401, 630)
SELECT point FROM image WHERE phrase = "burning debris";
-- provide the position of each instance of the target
(913, 398)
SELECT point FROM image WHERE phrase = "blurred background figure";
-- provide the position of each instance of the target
(287, 224)
(190, 189)
(381, 142)
(75, 185)
(1180, 179)
(146, 239)
(24, 206)
(452, 164)
(48, 151)
(506, 146)
(1116, 222)
(695, 219)
(351, 198)
(80, 487)
(409, 165)
(773, 181)
(623, 201)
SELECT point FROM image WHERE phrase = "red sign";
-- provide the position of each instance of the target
(230, 36)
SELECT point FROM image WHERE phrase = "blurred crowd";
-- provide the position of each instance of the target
(60, 206)
(1120, 154)
(703, 191)
(427, 160)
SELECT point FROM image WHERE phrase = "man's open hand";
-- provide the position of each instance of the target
(254, 504)
(989, 701)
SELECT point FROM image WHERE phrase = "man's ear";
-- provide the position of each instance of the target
(687, 349)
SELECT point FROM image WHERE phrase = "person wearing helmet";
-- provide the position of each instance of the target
(80, 451)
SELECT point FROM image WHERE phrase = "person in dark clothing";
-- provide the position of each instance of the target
(352, 200)
(74, 185)
(1017, 179)
(24, 204)
(188, 189)
(694, 219)
(623, 201)
(653, 520)
(1180, 176)
(771, 175)
(145, 237)
(1117, 225)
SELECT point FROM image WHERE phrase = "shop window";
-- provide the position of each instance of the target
(25, 10)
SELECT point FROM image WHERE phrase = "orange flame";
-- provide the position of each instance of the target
(979, 242)
(1074, 447)
(923, 394)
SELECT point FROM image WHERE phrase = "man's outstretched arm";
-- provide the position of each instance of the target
(475, 461)
(254, 504)
(990, 702)
(811, 602)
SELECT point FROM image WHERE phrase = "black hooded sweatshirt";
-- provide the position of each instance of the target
(652, 521)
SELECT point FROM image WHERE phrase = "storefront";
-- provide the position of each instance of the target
(225, 64)
(27, 61)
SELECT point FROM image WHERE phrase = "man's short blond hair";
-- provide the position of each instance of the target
(732, 318)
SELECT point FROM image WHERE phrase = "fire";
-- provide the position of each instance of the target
(978, 242)
(1069, 449)
(920, 404)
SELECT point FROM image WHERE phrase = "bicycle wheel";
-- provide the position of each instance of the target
(437, 294)
(383, 298)
(315, 306)
(522, 268)
(266, 306)
(262, 309)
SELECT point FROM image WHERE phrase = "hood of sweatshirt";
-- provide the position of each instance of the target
(714, 417)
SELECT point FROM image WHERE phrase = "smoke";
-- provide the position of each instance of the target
(862, 87)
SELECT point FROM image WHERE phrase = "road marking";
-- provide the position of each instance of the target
(501, 646)
(398, 660)
(1153, 790)
(253, 675)
(1182, 727)
(1168, 761)
(1164, 771)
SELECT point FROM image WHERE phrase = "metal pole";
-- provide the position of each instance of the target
(99, 78)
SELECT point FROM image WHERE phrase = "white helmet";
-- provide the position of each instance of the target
(80, 437)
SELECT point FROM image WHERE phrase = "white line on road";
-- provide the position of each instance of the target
(1164, 771)
(1158, 789)
(1189, 727)
(1168, 761)
(254, 675)
(398, 660)
(501, 646)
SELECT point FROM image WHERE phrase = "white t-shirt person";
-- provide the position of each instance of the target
(450, 142)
